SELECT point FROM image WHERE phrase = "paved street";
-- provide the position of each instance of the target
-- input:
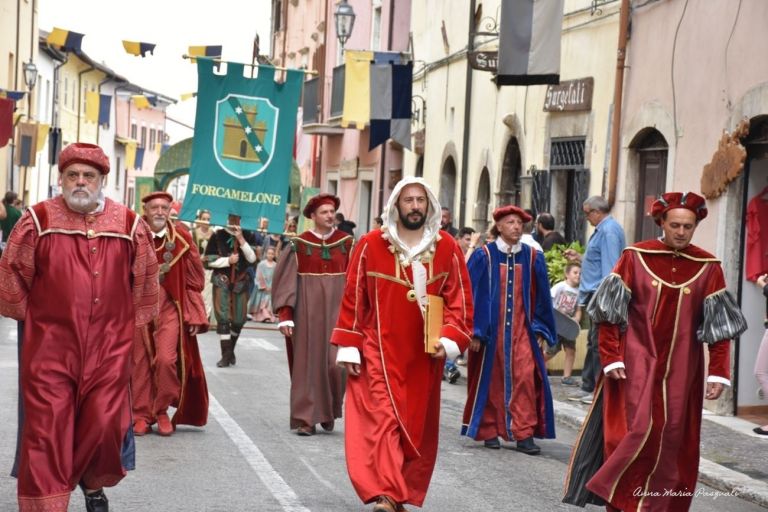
(246, 459)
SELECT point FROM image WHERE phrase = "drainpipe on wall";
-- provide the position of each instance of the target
(80, 97)
(383, 167)
(467, 112)
(618, 94)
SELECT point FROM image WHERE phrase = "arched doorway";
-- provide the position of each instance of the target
(448, 184)
(511, 169)
(480, 214)
(652, 150)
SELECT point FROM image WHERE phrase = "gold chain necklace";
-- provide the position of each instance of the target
(411, 293)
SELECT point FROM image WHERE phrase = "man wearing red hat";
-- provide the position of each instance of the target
(230, 254)
(167, 370)
(392, 411)
(79, 271)
(663, 303)
(509, 395)
(306, 294)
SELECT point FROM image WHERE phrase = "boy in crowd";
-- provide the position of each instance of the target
(565, 298)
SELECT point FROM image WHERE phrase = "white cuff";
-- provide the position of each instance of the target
(285, 323)
(617, 364)
(347, 355)
(222, 262)
(451, 348)
(721, 380)
(249, 254)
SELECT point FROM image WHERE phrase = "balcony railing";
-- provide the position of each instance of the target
(309, 104)
(337, 91)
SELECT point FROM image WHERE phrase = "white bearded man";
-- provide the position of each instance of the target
(79, 271)
(393, 390)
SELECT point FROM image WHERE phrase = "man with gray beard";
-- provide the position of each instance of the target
(80, 271)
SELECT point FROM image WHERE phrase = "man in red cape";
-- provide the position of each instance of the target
(663, 303)
(79, 271)
(306, 293)
(393, 391)
(167, 370)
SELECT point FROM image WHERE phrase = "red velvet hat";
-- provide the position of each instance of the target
(503, 211)
(84, 153)
(671, 200)
(157, 195)
(319, 200)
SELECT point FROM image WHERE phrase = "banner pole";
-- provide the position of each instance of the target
(253, 65)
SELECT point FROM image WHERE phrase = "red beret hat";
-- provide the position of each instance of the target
(84, 153)
(157, 195)
(672, 200)
(503, 211)
(319, 200)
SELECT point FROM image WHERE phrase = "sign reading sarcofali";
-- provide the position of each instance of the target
(243, 145)
(570, 95)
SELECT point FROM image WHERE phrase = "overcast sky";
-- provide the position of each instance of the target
(172, 25)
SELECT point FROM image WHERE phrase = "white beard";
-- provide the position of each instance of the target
(81, 203)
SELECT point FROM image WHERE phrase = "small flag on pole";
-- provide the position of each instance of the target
(139, 158)
(92, 106)
(130, 155)
(357, 88)
(204, 51)
(391, 86)
(42, 135)
(140, 101)
(139, 49)
(65, 39)
(6, 120)
(12, 95)
(529, 42)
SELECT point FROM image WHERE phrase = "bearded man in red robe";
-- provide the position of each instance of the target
(663, 303)
(79, 270)
(393, 390)
(167, 370)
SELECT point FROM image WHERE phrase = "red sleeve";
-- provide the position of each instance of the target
(17, 268)
(457, 300)
(720, 359)
(354, 303)
(194, 282)
(145, 275)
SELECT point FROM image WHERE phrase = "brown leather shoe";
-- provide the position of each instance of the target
(306, 430)
(328, 425)
(385, 504)
(141, 428)
(164, 426)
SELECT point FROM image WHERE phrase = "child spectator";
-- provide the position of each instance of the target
(565, 298)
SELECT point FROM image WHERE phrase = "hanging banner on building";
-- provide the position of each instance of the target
(529, 42)
(26, 145)
(243, 145)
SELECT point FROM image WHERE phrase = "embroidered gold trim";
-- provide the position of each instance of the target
(358, 291)
(84, 233)
(330, 274)
(321, 245)
(664, 395)
(672, 251)
(388, 278)
(437, 277)
(670, 285)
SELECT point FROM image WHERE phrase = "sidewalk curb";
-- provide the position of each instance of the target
(710, 473)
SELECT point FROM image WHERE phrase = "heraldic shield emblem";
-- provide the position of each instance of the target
(244, 135)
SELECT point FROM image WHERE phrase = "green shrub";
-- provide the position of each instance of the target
(556, 260)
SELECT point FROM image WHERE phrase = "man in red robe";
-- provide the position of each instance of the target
(306, 293)
(167, 370)
(664, 301)
(393, 390)
(509, 395)
(79, 271)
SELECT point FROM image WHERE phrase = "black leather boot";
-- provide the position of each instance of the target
(226, 354)
(232, 358)
(96, 502)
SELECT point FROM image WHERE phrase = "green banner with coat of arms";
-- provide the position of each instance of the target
(243, 145)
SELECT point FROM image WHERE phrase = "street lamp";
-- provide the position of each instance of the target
(345, 21)
(30, 74)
